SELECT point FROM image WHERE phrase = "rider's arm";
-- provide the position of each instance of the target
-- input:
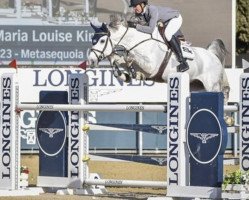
(157, 13)
(153, 12)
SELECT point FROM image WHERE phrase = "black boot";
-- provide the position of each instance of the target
(175, 46)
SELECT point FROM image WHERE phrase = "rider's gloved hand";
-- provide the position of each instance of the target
(117, 73)
(116, 70)
(131, 24)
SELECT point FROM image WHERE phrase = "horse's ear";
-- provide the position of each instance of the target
(104, 27)
(94, 27)
(122, 17)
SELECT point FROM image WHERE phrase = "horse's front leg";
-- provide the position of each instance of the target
(133, 73)
(123, 76)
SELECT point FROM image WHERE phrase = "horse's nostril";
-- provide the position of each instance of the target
(91, 63)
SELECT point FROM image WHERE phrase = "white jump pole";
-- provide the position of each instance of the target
(126, 183)
(231, 108)
(94, 107)
(105, 108)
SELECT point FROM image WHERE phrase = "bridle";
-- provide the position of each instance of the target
(114, 50)
(102, 55)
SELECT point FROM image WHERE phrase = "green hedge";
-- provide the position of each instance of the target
(242, 26)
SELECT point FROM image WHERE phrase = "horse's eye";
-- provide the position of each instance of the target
(102, 41)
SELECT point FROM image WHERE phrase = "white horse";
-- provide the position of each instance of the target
(153, 59)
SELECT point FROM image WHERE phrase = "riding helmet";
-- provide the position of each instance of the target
(133, 3)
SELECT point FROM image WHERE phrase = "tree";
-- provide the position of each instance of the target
(242, 26)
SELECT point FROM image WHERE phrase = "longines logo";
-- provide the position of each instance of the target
(5, 129)
(204, 137)
(51, 131)
(160, 128)
(244, 122)
(160, 161)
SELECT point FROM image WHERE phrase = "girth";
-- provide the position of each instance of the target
(158, 76)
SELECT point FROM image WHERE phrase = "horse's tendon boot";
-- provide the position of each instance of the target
(182, 67)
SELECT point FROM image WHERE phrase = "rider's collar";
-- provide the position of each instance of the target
(144, 9)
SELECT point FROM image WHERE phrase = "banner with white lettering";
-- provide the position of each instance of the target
(46, 44)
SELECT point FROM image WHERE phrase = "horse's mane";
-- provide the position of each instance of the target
(116, 20)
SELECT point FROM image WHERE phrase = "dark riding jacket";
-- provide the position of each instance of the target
(153, 14)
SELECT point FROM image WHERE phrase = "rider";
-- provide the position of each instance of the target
(152, 15)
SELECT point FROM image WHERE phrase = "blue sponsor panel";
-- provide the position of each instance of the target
(206, 139)
(52, 139)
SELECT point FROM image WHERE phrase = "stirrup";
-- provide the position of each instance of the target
(182, 67)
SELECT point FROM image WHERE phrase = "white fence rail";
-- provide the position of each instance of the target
(105, 108)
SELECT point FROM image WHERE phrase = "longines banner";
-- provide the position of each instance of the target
(103, 86)
(44, 44)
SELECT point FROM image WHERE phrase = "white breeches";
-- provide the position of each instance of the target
(172, 27)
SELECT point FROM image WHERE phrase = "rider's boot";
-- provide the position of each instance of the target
(175, 46)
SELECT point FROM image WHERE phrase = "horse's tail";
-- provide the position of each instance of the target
(217, 47)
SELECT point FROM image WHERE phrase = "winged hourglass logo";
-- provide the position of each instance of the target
(160, 128)
(204, 137)
(51, 131)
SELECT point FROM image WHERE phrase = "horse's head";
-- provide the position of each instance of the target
(101, 45)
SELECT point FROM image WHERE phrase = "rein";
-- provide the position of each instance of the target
(136, 45)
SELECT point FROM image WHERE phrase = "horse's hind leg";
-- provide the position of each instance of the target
(196, 85)
(226, 91)
(217, 87)
(225, 86)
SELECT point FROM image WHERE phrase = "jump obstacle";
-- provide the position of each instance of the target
(178, 177)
